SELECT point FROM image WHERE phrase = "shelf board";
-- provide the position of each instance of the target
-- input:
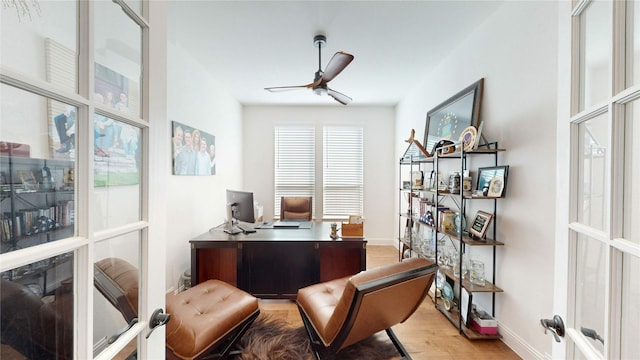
(468, 240)
(456, 155)
(420, 160)
(488, 288)
(470, 197)
(42, 192)
(22, 161)
(26, 272)
(454, 317)
(416, 189)
(54, 234)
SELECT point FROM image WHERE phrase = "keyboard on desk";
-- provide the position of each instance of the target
(245, 228)
(286, 224)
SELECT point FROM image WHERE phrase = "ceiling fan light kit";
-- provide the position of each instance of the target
(338, 62)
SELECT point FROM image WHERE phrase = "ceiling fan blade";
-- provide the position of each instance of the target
(340, 97)
(295, 87)
(338, 62)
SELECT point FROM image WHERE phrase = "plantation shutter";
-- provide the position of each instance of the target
(343, 182)
(294, 163)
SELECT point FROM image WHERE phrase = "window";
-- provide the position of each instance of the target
(342, 172)
(294, 163)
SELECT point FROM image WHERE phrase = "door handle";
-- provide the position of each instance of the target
(591, 333)
(556, 325)
(115, 336)
(158, 318)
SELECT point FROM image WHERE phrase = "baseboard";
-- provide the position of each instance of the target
(519, 345)
(382, 242)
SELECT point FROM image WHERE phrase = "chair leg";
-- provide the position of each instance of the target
(396, 342)
(318, 348)
(232, 340)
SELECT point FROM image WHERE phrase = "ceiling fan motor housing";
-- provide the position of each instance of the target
(319, 41)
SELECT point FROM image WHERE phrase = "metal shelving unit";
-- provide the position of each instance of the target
(415, 159)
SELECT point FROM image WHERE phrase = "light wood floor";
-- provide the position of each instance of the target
(427, 334)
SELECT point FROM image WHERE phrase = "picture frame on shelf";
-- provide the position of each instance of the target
(28, 180)
(417, 179)
(480, 224)
(465, 306)
(356, 219)
(467, 139)
(448, 120)
(496, 186)
(486, 175)
(479, 136)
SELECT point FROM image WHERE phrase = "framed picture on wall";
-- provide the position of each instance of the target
(194, 151)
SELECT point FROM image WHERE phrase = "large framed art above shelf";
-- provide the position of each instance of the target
(449, 120)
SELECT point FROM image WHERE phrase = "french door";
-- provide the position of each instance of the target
(599, 296)
(76, 82)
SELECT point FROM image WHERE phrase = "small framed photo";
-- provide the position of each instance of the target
(485, 177)
(355, 219)
(28, 179)
(496, 186)
(416, 178)
(69, 177)
(480, 224)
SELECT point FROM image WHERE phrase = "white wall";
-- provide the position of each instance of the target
(194, 204)
(379, 168)
(515, 50)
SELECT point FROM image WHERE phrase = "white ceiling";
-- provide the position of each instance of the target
(250, 45)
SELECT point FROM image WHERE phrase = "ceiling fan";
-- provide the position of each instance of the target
(338, 62)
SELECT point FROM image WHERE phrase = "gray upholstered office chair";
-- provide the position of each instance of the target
(296, 208)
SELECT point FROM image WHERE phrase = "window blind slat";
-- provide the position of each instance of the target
(343, 172)
(294, 163)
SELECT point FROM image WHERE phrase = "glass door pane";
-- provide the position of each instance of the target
(118, 58)
(37, 308)
(593, 146)
(633, 43)
(631, 196)
(630, 328)
(591, 271)
(595, 64)
(116, 289)
(37, 167)
(116, 162)
(39, 38)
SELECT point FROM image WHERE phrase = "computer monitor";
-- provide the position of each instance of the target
(240, 206)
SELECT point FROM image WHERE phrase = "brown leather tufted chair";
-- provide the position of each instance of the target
(206, 320)
(295, 208)
(341, 312)
(31, 328)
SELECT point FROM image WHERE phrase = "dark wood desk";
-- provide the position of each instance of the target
(275, 263)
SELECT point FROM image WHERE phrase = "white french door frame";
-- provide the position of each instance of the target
(575, 344)
(152, 246)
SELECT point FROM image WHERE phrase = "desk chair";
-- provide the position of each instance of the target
(206, 320)
(295, 208)
(342, 312)
(32, 329)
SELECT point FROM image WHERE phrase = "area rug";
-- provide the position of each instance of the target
(274, 339)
